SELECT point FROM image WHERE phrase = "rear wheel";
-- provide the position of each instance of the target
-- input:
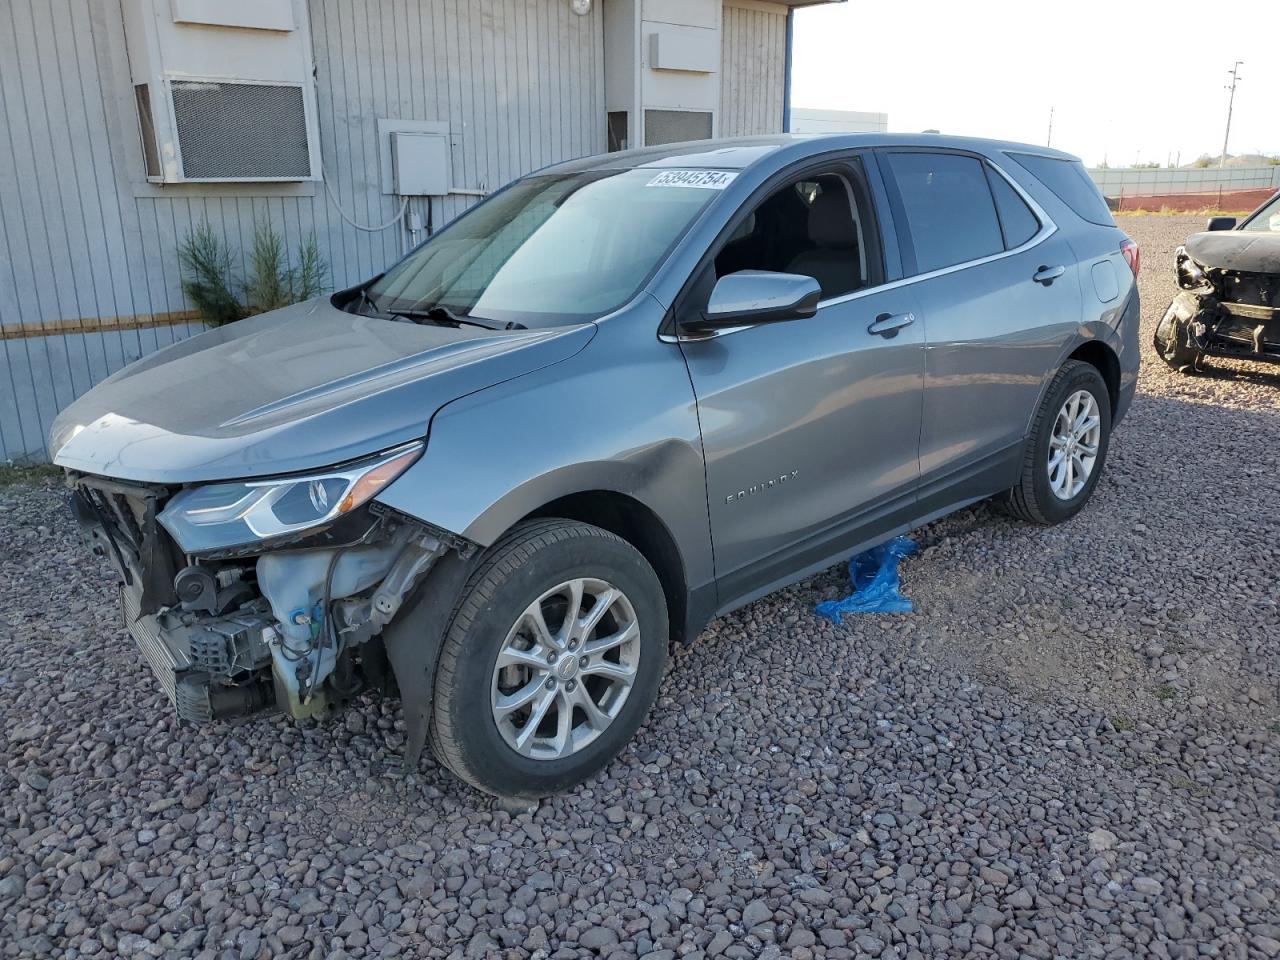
(1067, 448)
(552, 661)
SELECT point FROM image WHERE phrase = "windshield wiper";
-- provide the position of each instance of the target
(442, 314)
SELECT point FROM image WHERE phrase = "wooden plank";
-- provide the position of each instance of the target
(84, 325)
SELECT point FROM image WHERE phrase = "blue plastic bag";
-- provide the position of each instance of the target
(874, 574)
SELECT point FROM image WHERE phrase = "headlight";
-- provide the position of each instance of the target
(223, 515)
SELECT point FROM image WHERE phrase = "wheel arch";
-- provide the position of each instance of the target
(413, 640)
(1099, 354)
(641, 527)
(1103, 358)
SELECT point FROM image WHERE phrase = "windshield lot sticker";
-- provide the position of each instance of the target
(706, 179)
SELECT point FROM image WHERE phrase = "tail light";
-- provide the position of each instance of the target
(1132, 255)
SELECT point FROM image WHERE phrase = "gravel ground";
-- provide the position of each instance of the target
(1070, 749)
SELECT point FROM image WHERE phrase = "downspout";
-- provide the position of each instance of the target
(786, 74)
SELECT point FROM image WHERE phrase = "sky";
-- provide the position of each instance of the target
(1128, 82)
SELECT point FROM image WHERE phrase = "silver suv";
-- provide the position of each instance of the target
(619, 398)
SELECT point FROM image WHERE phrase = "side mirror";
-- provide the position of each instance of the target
(758, 296)
(1221, 223)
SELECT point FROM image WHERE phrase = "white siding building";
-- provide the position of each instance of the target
(125, 123)
(812, 120)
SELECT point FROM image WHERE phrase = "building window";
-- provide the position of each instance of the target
(147, 129)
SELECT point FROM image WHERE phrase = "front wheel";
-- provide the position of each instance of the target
(552, 661)
(1067, 448)
(1172, 340)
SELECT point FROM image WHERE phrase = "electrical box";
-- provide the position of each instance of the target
(223, 89)
(420, 164)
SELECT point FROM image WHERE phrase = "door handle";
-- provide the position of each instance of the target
(888, 324)
(1047, 275)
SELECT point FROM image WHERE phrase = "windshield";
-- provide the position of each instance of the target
(1267, 219)
(550, 249)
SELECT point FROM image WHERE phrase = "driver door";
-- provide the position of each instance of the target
(810, 427)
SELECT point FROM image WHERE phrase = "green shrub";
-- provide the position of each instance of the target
(271, 283)
(206, 261)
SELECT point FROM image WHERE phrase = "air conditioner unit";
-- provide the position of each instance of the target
(662, 70)
(223, 89)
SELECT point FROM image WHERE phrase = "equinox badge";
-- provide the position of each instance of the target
(760, 487)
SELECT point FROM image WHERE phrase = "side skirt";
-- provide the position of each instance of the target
(936, 498)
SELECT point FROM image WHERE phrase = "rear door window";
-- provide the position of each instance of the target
(1016, 219)
(949, 211)
(1068, 179)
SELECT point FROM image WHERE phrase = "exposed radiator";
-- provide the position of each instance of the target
(146, 635)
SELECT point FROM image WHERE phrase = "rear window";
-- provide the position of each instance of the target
(1067, 179)
(948, 207)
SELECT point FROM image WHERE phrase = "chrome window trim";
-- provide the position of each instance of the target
(1047, 229)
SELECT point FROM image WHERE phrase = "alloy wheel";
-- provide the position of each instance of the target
(565, 669)
(1073, 445)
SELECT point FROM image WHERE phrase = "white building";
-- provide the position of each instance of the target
(811, 120)
(125, 123)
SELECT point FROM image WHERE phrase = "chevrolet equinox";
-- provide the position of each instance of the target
(618, 398)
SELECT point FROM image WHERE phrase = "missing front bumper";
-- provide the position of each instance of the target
(298, 628)
(210, 670)
(1197, 325)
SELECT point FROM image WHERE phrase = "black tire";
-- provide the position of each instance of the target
(1032, 499)
(532, 558)
(1172, 339)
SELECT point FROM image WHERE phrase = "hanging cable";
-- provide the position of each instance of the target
(360, 226)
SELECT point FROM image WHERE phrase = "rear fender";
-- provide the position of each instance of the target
(1110, 331)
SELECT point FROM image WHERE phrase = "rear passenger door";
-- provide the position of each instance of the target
(999, 291)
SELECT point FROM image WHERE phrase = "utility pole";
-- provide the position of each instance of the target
(1231, 100)
(1048, 142)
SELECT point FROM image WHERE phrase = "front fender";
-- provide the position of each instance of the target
(618, 417)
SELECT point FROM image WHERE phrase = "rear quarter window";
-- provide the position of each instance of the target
(1070, 183)
(1016, 219)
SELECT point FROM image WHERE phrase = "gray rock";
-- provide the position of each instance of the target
(719, 943)
(1147, 885)
(1020, 899)
(755, 913)
(990, 916)
(1101, 839)
(597, 938)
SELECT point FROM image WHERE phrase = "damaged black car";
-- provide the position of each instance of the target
(1230, 304)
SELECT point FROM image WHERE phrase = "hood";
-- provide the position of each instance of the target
(1237, 250)
(295, 389)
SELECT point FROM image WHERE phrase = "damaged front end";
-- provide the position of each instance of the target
(1230, 304)
(265, 594)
